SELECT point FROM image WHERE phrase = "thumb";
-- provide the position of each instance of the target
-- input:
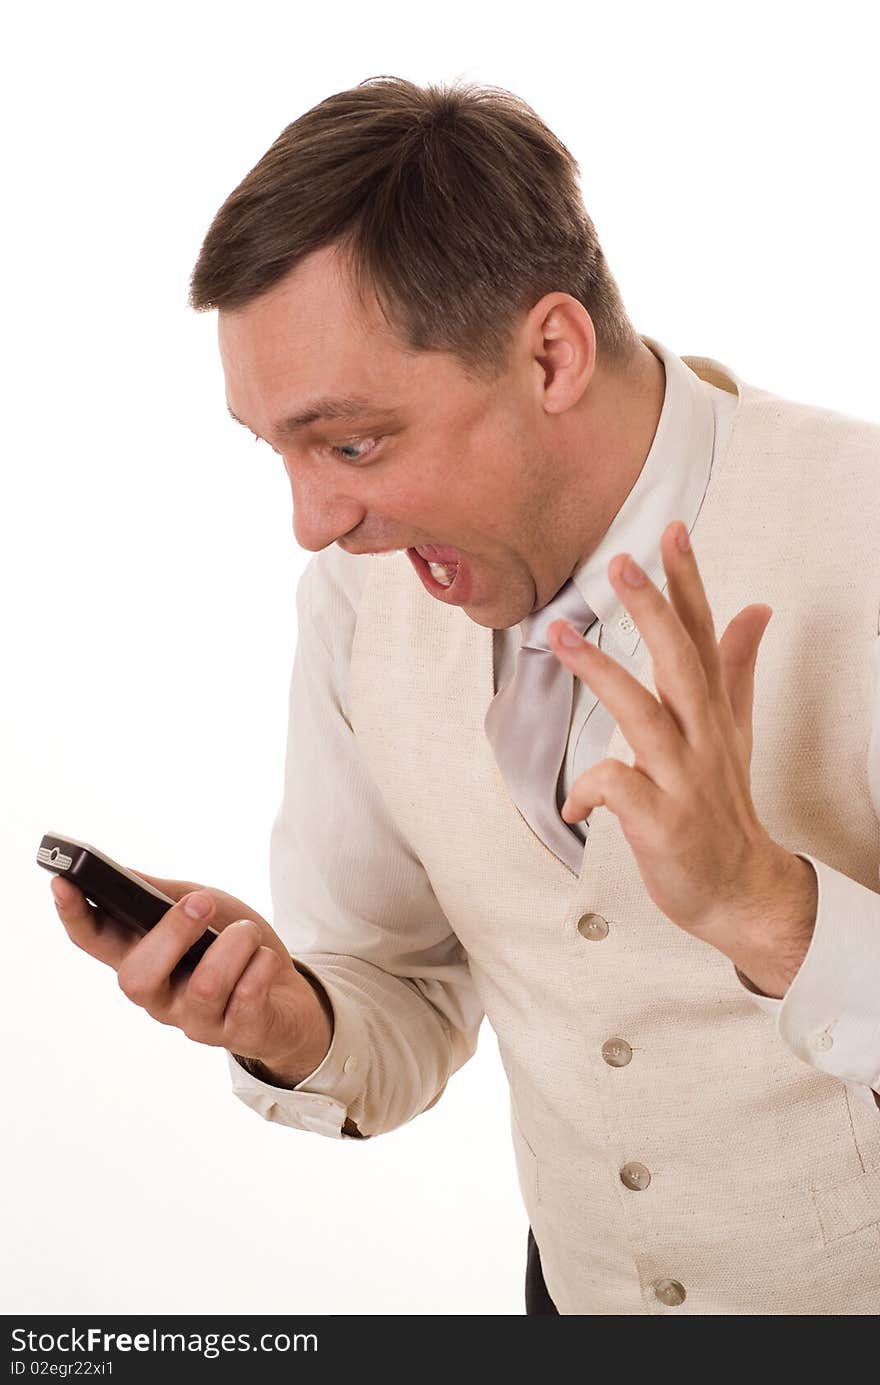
(738, 653)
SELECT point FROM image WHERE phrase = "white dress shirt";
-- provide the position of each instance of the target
(836, 983)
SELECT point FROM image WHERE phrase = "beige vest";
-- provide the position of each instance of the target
(764, 1195)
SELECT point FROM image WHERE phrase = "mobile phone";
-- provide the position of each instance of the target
(119, 892)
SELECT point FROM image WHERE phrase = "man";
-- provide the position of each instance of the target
(415, 313)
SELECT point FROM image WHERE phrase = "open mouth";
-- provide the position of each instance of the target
(438, 567)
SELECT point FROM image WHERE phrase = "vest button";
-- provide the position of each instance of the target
(635, 1177)
(670, 1292)
(593, 927)
(616, 1052)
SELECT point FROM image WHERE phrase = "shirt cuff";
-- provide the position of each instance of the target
(830, 1014)
(319, 1102)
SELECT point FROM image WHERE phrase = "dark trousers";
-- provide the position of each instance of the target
(537, 1298)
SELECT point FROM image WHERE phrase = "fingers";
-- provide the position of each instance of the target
(647, 725)
(224, 1001)
(231, 999)
(144, 974)
(679, 669)
(227, 1002)
(680, 637)
(90, 928)
(688, 597)
(228, 964)
(738, 653)
(250, 1020)
(628, 793)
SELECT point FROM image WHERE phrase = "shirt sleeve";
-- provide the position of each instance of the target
(354, 906)
(830, 1014)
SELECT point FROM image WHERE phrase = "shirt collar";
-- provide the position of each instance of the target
(670, 485)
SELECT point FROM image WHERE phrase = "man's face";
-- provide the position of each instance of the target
(432, 458)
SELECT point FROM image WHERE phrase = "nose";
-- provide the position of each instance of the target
(320, 516)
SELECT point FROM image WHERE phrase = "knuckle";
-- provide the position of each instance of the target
(245, 995)
(613, 771)
(657, 715)
(131, 985)
(204, 988)
(248, 993)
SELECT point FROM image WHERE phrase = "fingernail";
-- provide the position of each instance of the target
(632, 574)
(569, 636)
(683, 540)
(198, 906)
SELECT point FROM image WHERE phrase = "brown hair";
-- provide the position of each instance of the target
(456, 206)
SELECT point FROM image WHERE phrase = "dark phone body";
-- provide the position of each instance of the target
(120, 893)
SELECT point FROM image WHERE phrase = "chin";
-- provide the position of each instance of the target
(505, 622)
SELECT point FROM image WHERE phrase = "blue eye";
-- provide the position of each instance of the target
(346, 449)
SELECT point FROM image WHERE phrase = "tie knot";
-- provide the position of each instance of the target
(567, 604)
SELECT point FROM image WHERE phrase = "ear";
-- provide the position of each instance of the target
(561, 339)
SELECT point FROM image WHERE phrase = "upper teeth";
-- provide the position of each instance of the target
(443, 573)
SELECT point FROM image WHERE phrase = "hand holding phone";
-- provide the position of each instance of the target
(123, 895)
(226, 979)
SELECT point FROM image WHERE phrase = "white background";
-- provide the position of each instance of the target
(729, 161)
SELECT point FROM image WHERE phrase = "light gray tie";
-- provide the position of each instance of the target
(528, 721)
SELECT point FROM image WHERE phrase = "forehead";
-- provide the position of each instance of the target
(310, 337)
(307, 335)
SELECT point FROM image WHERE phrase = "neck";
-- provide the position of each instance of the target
(622, 408)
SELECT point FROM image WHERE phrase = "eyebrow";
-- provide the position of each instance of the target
(326, 407)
